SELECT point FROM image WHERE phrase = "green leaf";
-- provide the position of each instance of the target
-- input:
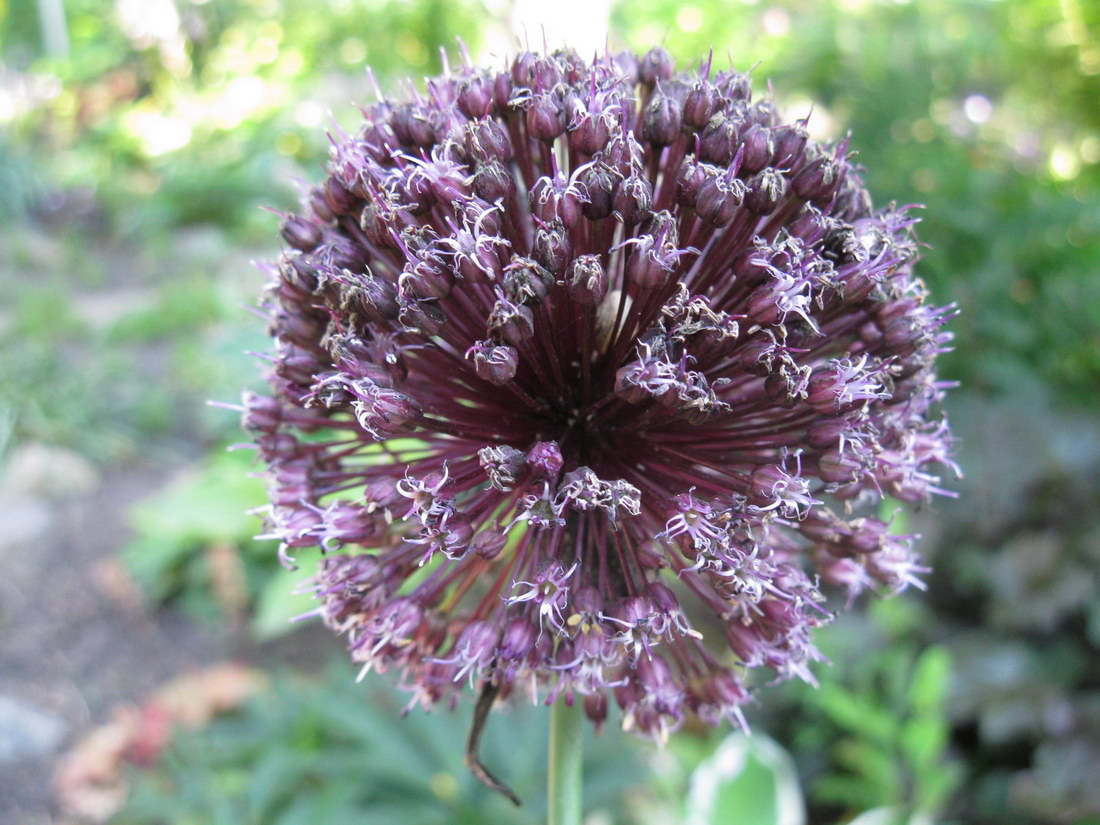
(922, 742)
(931, 677)
(281, 600)
(859, 716)
(748, 781)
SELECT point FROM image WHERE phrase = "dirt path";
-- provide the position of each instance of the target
(75, 637)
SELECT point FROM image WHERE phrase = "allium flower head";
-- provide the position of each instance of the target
(587, 374)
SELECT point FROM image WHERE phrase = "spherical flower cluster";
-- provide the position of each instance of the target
(587, 374)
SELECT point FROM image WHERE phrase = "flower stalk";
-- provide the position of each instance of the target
(566, 756)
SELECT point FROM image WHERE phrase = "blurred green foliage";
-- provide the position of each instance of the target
(330, 750)
(197, 532)
(987, 113)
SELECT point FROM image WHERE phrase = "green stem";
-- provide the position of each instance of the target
(566, 756)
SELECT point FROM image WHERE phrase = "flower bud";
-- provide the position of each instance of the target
(553, 248)
(700, 104)
(493, 363)
(719, 197)
(513, 322)
(545, 460)
(598, 186)
(633, 198)
(718, 142)
(757, 150)
(690, 177)
(837, 468)
(340, 200)
(526, 282)
(586, 280)
(546, 116)
(818, 180)
(475, 96)
(765, 191)
(486, 140)
(493, 182)
(301, 233)
(656, 64)
(663, 119)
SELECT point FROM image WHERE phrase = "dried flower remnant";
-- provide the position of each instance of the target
(586, 374)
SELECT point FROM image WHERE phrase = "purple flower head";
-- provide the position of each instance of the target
(586, 376)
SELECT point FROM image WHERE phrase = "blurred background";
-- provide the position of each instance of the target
(148, 671)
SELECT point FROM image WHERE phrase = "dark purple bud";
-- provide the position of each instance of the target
(807, 224)
(842, 246)
(513, 322)
(719, 197)
(301, 328)
(424, 317)
(298, 365)
(553, 248)
(486, 140)
(633, 199)
(340, 200)
(319, 204)
(663, 598)
(719, 140)
(589, 129)
(749, 268)
(488, 543)
(301, 233)
(648, 269)
(737, 86)
(827, 432)
(475, 96)
(586, 280)
(853, 203)
(818, 180)
(784, 389)
(595, 708)
(656, 64)
(416, 193)
(428, 279)
(765, 191)
(598, 186)
(836, 467)
(901, 335)
(546, 117)
(376, 298)
(623, 155)
(518, 640)
(701, 103)
(663, 120)
(503, 465)
(691, 176)
(545, 460)
(502, 92)
(493, 182)
(523, 70)
(757, 153)
(552, 199)
(262, 414)
(790, 141)
(493, 363)
(627, 64)
(411, 126)
(526, 282)
(378, 220)
(298, 278)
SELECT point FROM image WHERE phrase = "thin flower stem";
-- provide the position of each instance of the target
(566, 756)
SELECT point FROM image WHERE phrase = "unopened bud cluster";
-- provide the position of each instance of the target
(588, 377)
